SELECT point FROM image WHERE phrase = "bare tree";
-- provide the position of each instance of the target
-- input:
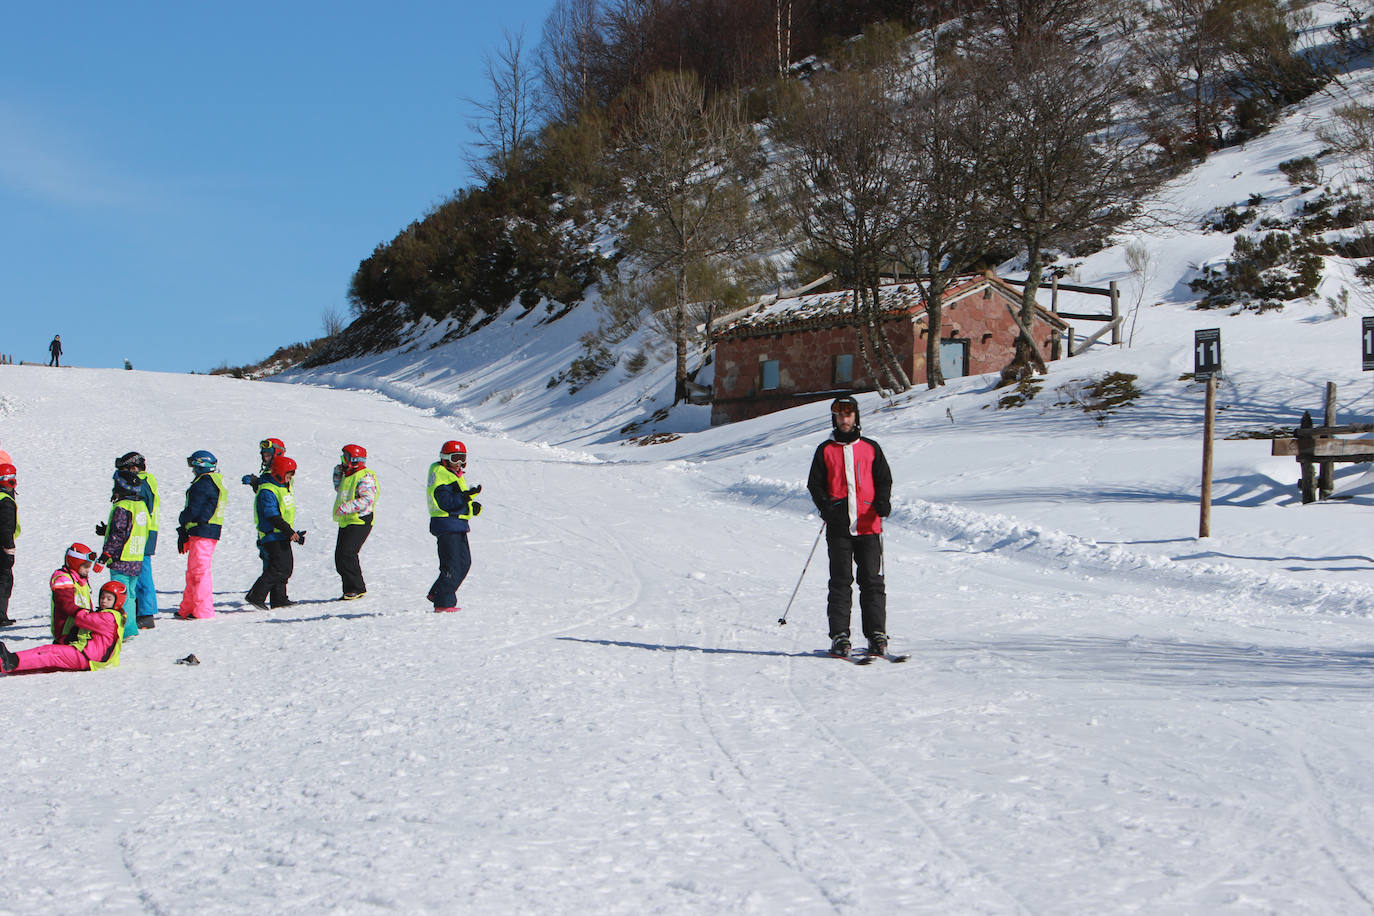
(949, 224)
(567, 55)
(687, 165)
(1061, 168)
(1188, 50)
(503, 123)
(844, 169)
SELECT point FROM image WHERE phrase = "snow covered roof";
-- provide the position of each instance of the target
(825, 309)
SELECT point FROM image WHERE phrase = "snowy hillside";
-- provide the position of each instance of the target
(1103, 713)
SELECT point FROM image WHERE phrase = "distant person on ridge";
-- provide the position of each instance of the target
(851, 485)
(9, 530)
(126, 535)
(274, 512)
(91, 637)
(355, 502)
(269, 449)
(198, 530)
(451, 507)
(55, 348)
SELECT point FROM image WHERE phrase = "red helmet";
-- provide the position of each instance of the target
(9, 477)
(281, 466)
(453, 450)
(353, 455)
(116, 588)
(275, 446)
(79, 555)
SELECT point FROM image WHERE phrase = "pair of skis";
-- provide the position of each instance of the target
(864, 657)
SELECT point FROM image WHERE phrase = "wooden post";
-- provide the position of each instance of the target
(1054, 294)
(1307, 484)
(1116, 312)
(1204, 528)
(1326, 477)
(1071, 351)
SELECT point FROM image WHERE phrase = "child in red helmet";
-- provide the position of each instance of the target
(9, 530)
(355, 501)
(451, 508)
(70, 585)
(274, 511)
(91, 638)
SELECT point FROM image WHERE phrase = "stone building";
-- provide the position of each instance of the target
(801, 349)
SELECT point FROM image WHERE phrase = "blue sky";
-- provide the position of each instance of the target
(189, 185)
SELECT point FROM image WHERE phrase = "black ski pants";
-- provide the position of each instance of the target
(277, 565)
(6, 583)
(346, 562)
(848, 553)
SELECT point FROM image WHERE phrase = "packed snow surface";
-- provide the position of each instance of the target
(615, 722)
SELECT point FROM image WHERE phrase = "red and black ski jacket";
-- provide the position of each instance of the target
(851, 485)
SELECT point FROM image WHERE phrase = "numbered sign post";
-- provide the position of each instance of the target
(1367, 342)
(1206, 365)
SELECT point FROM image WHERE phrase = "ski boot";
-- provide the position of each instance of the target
(877, 644)
(840, 646)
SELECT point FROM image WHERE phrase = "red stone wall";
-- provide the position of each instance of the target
(806, 357)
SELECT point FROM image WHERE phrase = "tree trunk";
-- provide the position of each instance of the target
(861, 331)
(1027, 361)
(680, 333)
(900, 381)
(935, 296)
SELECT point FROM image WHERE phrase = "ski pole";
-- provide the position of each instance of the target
(782, 621)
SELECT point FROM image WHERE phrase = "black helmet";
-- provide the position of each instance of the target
(845, 404)
(131, 460)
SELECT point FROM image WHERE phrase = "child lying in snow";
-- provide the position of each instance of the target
(95, 639)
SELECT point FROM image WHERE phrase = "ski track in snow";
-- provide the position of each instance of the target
(614, 723)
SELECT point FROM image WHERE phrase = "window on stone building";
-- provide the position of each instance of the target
(769, 373)
(844, 370)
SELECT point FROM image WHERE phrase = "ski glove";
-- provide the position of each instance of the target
(476, 508)
(183, 540)
(836, 515)
(882, 507)
(246, 480)
(473, 492)
(100, 529)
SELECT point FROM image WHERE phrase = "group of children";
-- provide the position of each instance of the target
(89, 634)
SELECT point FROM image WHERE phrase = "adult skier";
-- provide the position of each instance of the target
(70, 585)
(268, 449)
(198, 531)
(274, 512)
(126, 534)
(355, 502)
(851, 485)
(55, 348)
(9, 530)
(145, 593)
(451, 507)
(91, 640)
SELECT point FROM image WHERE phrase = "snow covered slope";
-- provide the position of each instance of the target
(615, 722)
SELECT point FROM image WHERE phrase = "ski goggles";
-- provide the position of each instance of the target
(9, 479)
(267, 445)
(460, 457)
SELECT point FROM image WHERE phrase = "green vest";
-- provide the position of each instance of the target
(138, 529)
(348, 491)
(10, 496)
(285, 502)
(157, 502)
(218, 481)
(438, 477)
(111, 658)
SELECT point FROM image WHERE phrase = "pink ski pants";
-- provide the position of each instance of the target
(52, 658)
(198, 600)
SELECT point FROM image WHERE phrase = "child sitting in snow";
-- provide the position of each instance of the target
(96, 637)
